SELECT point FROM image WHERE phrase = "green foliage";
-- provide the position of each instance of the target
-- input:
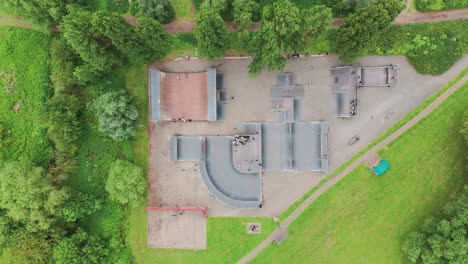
(27, 197)
(117, 115)
(217, 5)
(441, 240)
(436, 5)
(79, 206)
(160, 10)
(98, 57)
(153, 39)
(40, 11)
(431, 48)
(5, 230)
(28, 248)
(125, 183)
(103, 39)
(80, 248)
(210, 33)
(24, 57)
(243, 12)
(118, 6)
(62, 121)
(285, 29)
(363, 27)
(62, 61)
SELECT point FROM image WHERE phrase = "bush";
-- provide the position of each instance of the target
(117, 115)
(63, 62)
(436, 5)
(80, 248)
(161, 10)
(79, 206)
(125, 183)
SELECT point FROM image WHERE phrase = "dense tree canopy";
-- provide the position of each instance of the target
(102, 40)
(285, 29)
(125, 183)
(80, 248)
(441, 240)
(117, 115)
(244, 12)
(98, 57)
(41, 11)
(359, 29)
(160, 10)
(210, 33)
(27, 197)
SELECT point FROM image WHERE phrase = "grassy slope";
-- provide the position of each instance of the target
(26, 53)
(97, 152)
(364, 218)
(184, 9)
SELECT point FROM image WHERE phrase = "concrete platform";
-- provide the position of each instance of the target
(176, 229)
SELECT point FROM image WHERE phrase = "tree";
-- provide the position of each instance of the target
(97, 56)
(25, 247)
(5, 230)
(40, 11)
(284, 29)
(80, 248)
(243, 12)
(210, 33)
(154, 40)
(160, 10)
(79, 206)
(27, 197)
(63, 62)
(64, 128)
(216, 5)
(360, 28)
(117, 115)
(125, 183)
(441, 240)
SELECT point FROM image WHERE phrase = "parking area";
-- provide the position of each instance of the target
(175, 184)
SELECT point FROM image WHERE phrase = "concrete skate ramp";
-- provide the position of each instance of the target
(343, 91)
(301, 146)
(223, 180)
(199, 96)
(228, 185)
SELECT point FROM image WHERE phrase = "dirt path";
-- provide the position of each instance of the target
(280, 232)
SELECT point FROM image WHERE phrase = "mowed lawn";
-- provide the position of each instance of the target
(364, 218)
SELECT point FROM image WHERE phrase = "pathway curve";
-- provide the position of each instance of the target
(187, 26)
(279, 233)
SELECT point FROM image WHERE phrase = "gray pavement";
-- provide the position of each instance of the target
(278, 233)
(179, 183)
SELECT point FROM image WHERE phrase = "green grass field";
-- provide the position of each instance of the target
(363, 218)
(184, 9)
(24, 68)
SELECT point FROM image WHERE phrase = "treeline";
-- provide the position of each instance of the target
(286, 29)
(42, 219)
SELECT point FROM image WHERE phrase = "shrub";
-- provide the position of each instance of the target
(117, 115)
(125, 183)
(63, 62)
(160, 10)
(79, 206)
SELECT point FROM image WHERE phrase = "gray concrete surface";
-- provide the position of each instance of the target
(169, 229)
(173, 183)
